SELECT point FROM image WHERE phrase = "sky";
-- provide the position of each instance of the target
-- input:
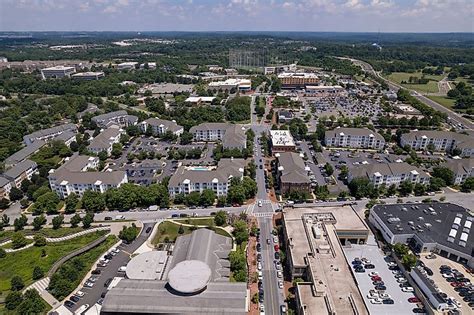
(238, 15)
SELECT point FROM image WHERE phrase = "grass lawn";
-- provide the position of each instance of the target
(198, 221)
(430, 87)
(22, 263)
(46, 232)
(170, 230)
(9, 245)
(445, 101)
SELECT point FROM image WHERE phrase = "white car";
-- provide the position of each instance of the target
(79, 294)
(376, 301)
(122, 269)
(384, 296)
(279, 274)
(373, 273)
(259, 266)
(391, 264)
(401, 280)
(262, 309)
(408, 289)
(280, 284)
(447, 275)
(260, 275)
(259, 203)
(275, 239)
(372, 295)
(82, 309)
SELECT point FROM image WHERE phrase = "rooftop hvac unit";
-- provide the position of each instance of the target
(438, 220)
(410, 223)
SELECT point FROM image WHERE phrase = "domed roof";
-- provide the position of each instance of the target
(189, 276)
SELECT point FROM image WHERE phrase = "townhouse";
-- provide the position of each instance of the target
(66, 132)
(462, 169)
(188, 179)
(389, 174)
(78, 174)
(120, 118)
(105, 140)
(356, 138)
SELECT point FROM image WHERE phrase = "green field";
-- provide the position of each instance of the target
(430, 87)
(197, 221)
(169, 230)
(445, 101)
(22, 263)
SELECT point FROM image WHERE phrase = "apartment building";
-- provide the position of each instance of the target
(231, 135)
(105, 140)
(160, 126)
(188, 179)
(291, 173)
(297, 80)
(120, 118)
(77, 175)
(57, 72)
(442, 141)
(88, 76)
(65, 132)
(5, 187)
(389, 174)
(354, 138)
(462, 169)
(19, 172)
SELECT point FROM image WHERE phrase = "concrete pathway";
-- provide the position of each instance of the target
(41, 286)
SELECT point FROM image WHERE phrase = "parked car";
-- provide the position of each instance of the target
(388, 301)
(407, 289)
(380, 288)
(148, 230)
(107, 282)
(96, 272)
(279, 274)
(108, 218)
(376, 301)
(79, 293)
(69, 304)
(75, 298)
(414, 300)
(418, 310)
(89, 284)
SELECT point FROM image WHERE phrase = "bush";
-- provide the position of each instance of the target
(13, 299)
(18, 241)
(38, 273)
(128, 234)
(221, 218)
(17, 283)
(3, 253)
(39, 240)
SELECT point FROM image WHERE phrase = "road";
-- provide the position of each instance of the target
(454, 117)
(92, 295)
(273, 296)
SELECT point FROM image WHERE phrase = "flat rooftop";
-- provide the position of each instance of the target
(281, 138)
(149, 265)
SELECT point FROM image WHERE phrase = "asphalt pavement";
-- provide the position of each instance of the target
(92, 295)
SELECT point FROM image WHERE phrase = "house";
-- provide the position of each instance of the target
(51, 134)
(120, 118)
(105, 140)
(389, 174)
(291, 173)
(232, 135)
(282, 141)
(188, 179)
(442, 141)
(356, 138)
(462, 169)
(57, 72)
(78, 174)
(161, 126)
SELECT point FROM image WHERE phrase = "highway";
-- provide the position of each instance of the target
(453, 116)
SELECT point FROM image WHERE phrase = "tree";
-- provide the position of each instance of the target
(240, 232)
(38, 222)
(128, 234)
(468, 185)
(93, 201)
(38, 273)
(20, 222)
(3, 253)
(5, 220)
(361, 187)
(87, 220)
(181, 229)
(71, 202)
(419, 189)
(16, 283)
(4, 203)
(58, 221)
(75, 220)
(405, 188)
(409, 261)
(193, 198)
(445, 173)
(117, 149)
(221, 218)
(24, 203)
(47, 202)
(207, 197)
(436, 183)
(18, 240)
(32, 303)
(13, 299)
(15, 194)
(400, 249)
(40, 240)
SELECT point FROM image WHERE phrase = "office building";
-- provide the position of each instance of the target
(193, 280)
(88, 76)
(297, 80)
(200, 100)
(79, 174)
(356, 138)
(441, 228)
(313, 238)
(104, 141)
(57, 72)
(282, 141)
(127, 65)
(291, 173)
(242, 85)
(159, 127)
(284, 116)
(120, 118)
(389, 174)
(188, 179)
(442, 141)
(70, 130)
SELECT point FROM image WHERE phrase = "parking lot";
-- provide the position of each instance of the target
(373, 254)
(350, 107)
(442, 283)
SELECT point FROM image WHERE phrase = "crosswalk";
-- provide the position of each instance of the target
(263, 214)
(40, 285)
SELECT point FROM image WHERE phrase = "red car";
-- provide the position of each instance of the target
(276, 247)
(376, 278)
(456, 284)
(414, 300)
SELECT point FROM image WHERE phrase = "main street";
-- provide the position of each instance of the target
(453, 116)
